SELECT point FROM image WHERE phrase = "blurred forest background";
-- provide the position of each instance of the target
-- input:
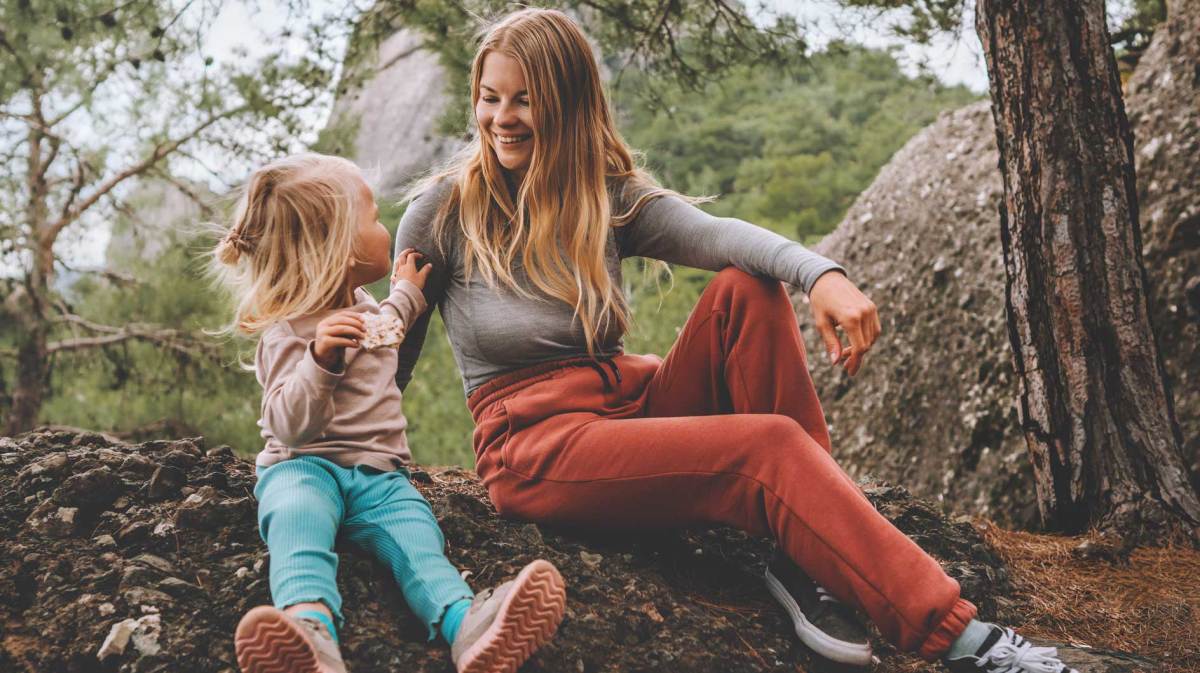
(787, 143)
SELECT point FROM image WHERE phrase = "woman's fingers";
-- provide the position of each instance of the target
(833, 345)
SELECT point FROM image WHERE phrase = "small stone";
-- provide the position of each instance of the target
(106, 609)
(48, 466)
(92, 439)
(591, 560)
(135, 531)
(52, 520)
(241, 572)
(110, 457)
(117, 639)
(145, 635)
(166, 482)
(104, 541)
(146, 596)
(120, 504)
(95, 489)
(156, 562)
(258, 565)
(222, 451)
(202, 510)
(177, 587)
(182, 460)
(138, 465)
(163, 529)
(530, 535)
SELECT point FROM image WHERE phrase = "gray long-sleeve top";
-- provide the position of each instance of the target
(494, 330)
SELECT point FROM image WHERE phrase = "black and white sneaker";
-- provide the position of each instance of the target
(827, 626)
(1006, 652)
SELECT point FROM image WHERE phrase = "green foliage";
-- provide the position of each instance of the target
(1133, 34)
(787, 152)
(95, 95)
(135, 387)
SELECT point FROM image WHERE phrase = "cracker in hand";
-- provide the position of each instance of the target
(382, 331)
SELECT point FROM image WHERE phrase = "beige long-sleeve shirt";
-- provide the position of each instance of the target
(351, 417)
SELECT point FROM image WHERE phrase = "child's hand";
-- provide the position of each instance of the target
(334, 335)
(406, 268)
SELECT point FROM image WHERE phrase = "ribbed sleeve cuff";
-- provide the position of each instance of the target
(407, 300)
(812, 275)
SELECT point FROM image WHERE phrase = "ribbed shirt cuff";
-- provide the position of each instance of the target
(811, 276)
(406, 293)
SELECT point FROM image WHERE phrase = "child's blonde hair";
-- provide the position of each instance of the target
(291, 242)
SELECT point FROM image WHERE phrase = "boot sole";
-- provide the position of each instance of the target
(823, 644)
(527, 619)
(268, 642)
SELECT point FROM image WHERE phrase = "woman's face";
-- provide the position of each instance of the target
(503, 112)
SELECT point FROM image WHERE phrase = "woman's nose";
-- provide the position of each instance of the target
(507, 115)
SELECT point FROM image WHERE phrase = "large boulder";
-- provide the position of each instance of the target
(1163, 100)
(934, 408)
(389, 123)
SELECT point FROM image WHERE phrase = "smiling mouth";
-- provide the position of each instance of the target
(511, 139)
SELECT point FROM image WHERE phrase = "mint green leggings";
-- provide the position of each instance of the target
(304, 502)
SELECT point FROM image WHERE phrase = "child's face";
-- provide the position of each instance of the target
(372, 244)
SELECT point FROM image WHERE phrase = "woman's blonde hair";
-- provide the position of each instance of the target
(291, 242)
(557, 223)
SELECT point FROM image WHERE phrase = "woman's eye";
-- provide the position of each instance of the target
(489, 99)
(524, 102)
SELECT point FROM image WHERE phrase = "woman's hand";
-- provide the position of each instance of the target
(836, 302)
(406, 268)
(335, 334)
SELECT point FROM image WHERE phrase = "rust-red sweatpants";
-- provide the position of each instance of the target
(728, 430)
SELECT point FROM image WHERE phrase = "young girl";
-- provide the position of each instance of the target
(304, 241)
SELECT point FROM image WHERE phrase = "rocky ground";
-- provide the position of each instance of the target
(159, 540)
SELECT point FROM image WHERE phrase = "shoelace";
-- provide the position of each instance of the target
(1017, 655)
(598, 365)
(825, 596)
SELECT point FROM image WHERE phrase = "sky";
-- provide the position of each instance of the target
(953, 59)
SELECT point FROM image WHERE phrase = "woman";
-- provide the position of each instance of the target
(525, 230)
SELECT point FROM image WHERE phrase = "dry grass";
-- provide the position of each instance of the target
(1150, 606)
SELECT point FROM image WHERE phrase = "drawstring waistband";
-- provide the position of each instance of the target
(505, 384)
(598, 365)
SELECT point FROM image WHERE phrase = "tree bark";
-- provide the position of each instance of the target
(1096, 413)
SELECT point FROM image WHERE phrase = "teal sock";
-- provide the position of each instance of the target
(320, 617)
(453, 619)
(968, 642)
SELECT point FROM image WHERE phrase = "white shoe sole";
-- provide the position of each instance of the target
(825, 645)
(528, 618)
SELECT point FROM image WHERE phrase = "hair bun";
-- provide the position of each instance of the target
(233, 246)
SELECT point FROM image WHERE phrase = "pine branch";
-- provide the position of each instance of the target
(160, 151)
(168, 339)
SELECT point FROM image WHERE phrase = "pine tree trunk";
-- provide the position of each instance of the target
(1095, 411)
(33, 358)
(31, 381)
